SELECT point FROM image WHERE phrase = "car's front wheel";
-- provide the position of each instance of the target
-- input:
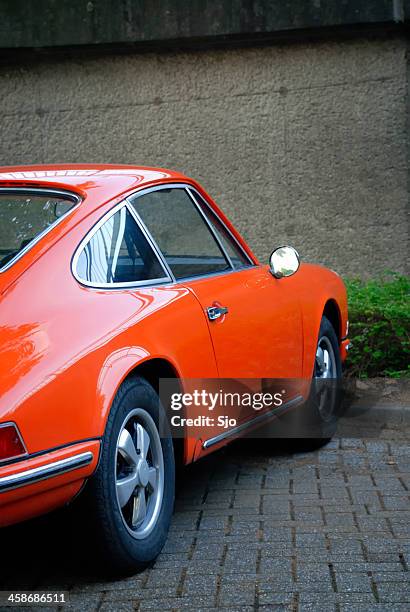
(317, 419)
(131, 496)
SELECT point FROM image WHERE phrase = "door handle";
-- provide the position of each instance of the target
(214, 312)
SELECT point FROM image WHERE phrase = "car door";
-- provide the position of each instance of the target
(260, 334)
(253, 320)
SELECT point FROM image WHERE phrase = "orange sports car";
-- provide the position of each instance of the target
(112, 279)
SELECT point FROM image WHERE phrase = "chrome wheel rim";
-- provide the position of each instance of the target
(325, 370)
(139, 473)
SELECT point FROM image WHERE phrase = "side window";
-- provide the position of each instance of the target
(181, 233)
(118, 252)
(24, 217)
(238, 257)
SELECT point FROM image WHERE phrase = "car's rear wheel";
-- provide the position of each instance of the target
(131, 496)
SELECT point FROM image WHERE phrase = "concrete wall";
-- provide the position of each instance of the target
(47, 23)
(304, 144)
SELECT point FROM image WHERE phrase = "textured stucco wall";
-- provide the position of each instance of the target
(303, 144)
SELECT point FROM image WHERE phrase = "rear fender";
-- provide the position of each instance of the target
(323, 287)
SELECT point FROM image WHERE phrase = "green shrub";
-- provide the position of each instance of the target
(379, 315)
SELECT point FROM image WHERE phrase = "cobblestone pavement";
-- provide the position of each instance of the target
(257, 529)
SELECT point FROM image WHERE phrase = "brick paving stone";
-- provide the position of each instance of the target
(377, 446)
(377, 544)
(161, 577)
(205, 584)
(379, 607)
(370, 499)
(355, 459)
(348, 443)
(314, 555)
(369, 567)
(205, 566)
(390, 577)
(381, 558)
(198, 604)
(311, 540)
(237, 594)
(242, 527)
(241, 560)
(363, 482)
(353, 582)
(372, 524)
(209, 522)
(209, 550)
(275, 608)
(158, 592)
(316, 607)
(121, 606)
(326, 599)
(123, 597)
(330, 457)
(275, 565)
(159, 604)
(274, 598)
(394, 592)
(178, 545)
(387, 484)
(396, 502)
(172, 560)
(81, 601)
(339, 519)
(313, 515)
(280, 582)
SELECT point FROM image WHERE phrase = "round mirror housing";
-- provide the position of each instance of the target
(284, 261)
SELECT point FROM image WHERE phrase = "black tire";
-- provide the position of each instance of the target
(312, 427)
(119, 552)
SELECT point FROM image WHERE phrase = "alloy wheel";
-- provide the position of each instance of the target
(139, 473)
(325, 375)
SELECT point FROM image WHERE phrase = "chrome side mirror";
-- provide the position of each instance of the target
(284, 261)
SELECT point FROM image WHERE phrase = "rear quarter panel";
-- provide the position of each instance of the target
(314, 287)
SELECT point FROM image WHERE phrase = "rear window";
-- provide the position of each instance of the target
(24, 217)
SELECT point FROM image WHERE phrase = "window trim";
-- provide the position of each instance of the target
(186, 187)
(148, 234)
(38, 191)
(183, 186)
(122, 285)
(228, 231)
(212, 229)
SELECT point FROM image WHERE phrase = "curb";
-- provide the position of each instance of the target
(394, 414)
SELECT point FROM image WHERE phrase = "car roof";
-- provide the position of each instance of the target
(96, 182)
